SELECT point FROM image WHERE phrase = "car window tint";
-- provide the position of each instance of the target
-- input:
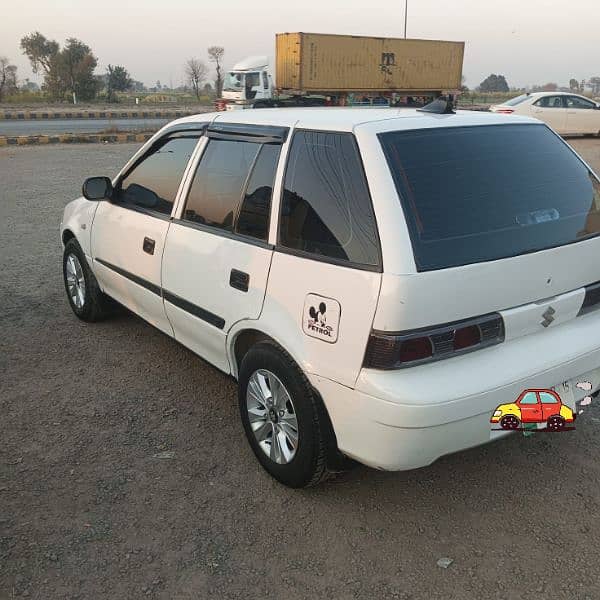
(529, 398)
(576, 102)
(547, 398)
(154, 182)
(550, 102)
(517, 100)
(254, 214)
(326, 208)
(216, 189)
(474, 194)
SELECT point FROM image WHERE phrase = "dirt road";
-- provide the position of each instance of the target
(124, 472)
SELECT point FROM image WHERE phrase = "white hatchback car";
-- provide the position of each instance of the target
(378, 281)
(567, 114)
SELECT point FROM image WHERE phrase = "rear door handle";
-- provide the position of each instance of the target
(239, 280)
(148, 245)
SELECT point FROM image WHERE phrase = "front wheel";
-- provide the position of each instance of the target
(509, 422)
(285, 422)
(85, 297)
(555, 423)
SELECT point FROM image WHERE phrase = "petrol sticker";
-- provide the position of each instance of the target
(321, 318)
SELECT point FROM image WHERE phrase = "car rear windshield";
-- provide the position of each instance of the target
(474, 194)
(517, 100)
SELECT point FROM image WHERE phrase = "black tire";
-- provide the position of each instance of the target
(555, 423)
(308, 467)
(96, 305)
(509, 422)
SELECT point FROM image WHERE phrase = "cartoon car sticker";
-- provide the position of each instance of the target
(321, 318)
(534, 407)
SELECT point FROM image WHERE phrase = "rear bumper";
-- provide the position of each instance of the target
(407, 419)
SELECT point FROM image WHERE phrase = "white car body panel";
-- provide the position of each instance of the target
(395, 419)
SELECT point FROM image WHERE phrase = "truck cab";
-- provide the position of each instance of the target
(248, 82)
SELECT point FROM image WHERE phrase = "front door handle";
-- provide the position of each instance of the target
(239, 280)
(148, 245)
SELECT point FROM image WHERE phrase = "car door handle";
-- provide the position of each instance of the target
(239, 280)
(148, 245)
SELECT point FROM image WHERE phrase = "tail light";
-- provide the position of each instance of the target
(505, 111)
(409, 348)
(591, 300)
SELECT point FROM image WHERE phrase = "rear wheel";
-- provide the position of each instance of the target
(509, 422)
(284, 420)
(85, 297)
(555, 423)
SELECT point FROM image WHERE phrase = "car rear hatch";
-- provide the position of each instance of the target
(503, 223)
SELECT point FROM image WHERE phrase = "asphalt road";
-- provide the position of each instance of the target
(57, 126)
(88, 510)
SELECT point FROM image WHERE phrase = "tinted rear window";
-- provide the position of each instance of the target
(472, 194)
(517, 100)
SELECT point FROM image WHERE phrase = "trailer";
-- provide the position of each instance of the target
(341, 70)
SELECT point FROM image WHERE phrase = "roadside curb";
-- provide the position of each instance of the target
(96, 114)
(71, 138)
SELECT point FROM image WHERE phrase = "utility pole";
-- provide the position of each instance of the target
(405, 16)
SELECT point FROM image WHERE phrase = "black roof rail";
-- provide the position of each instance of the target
(444, 105)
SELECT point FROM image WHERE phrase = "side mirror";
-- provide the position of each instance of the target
(97, 188)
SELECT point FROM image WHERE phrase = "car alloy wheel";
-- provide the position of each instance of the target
(75, 281)
(509, 422)
(272, 416)
(555, 423)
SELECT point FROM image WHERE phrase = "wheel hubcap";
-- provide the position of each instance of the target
(272, 416)
(75, 281)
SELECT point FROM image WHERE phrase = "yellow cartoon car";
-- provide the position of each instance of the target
(534, 406)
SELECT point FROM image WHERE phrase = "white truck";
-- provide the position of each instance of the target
(341, 70)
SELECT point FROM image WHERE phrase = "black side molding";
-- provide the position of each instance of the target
(197, 311)
(152, 287)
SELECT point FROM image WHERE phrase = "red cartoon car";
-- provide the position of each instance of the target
(534, 406)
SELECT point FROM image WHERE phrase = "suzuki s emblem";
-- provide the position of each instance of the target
(548, 316)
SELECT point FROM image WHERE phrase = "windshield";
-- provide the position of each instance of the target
(473, 194)
(233, 82)
(517, 100)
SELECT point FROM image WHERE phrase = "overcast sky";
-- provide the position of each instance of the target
(529, 41)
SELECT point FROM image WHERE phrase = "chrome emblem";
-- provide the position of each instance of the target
(548, 315)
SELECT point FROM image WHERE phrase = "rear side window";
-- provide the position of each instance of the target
(253, 219)
(153, 183)
(326, 209)
(216, 190)
(473, 194)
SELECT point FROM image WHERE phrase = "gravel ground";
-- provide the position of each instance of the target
(87, 510)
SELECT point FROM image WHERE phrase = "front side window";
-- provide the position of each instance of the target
(326, 208)
(216, 190)
(577, 102)
(153, 183)
(481, 193)
(550, 102)
(529, 398)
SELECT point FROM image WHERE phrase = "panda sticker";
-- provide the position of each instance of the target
(321, 318)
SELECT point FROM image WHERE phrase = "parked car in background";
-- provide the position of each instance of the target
(377, 281)
(567, 114)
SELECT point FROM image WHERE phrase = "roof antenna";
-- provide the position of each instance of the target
(444, 105)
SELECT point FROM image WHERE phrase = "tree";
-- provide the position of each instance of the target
(494, 83)
(595, 85)
(8, 77)
(215, 55)
(117, 80)
(70, 70)
(574, 85)
(196, 72)
(550, 87)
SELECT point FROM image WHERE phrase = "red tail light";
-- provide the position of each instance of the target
(505, 111)
(409, 348)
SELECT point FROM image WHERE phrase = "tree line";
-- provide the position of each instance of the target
(69, 72)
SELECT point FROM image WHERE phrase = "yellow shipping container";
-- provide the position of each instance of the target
(314, 62)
